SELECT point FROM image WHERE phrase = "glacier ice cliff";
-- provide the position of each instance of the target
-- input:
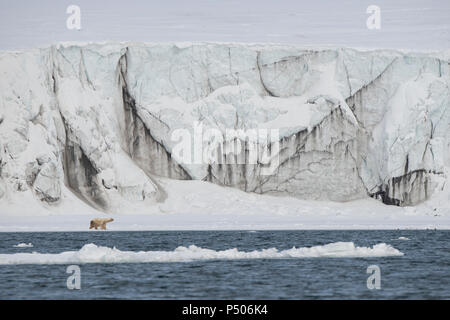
(97, 120)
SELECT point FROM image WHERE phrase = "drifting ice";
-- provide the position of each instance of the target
(24, 245)
(91, 253)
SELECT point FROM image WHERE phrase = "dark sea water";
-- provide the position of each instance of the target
(423, 272)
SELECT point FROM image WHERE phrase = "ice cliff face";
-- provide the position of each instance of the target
(98, 120)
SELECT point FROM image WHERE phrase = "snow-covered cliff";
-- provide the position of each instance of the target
(97, 120)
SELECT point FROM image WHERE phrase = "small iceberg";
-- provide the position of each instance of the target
(401, 238)
(24, 245)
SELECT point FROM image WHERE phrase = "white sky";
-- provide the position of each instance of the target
(409, 24)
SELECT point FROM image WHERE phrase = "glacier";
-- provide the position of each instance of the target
(93, 122)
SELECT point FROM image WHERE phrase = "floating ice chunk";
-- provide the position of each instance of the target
(24, 245)
(91, 253)
(402, 238)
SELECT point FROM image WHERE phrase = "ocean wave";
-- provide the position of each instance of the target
(91, 253)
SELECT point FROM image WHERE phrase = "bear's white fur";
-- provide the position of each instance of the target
(100, 222)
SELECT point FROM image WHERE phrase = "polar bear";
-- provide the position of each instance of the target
(100, 222)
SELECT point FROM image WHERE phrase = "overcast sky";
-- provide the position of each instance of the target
(410, 24)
